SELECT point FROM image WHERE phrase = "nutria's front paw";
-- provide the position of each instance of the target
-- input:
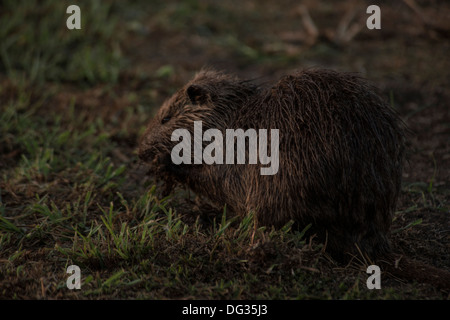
(180, 171)
(165, 165)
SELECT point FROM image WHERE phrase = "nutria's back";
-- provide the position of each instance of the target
(341, 150)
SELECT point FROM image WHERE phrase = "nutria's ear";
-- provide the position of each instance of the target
(197, 94)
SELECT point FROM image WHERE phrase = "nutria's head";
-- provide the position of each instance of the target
(211, 97)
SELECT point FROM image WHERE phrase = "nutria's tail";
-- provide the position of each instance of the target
(411, 270)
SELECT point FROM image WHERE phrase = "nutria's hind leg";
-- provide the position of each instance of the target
(345, 244)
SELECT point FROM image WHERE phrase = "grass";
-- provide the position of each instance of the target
(64, 201)
(35, 43)
(72, 191)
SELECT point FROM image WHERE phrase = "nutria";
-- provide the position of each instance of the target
(341, 150)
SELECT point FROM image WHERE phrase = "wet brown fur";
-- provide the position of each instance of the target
(341, 154)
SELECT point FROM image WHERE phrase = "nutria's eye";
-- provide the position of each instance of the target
(165, 119)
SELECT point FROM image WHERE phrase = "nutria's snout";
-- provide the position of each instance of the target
(156, 161)
(145, 154)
